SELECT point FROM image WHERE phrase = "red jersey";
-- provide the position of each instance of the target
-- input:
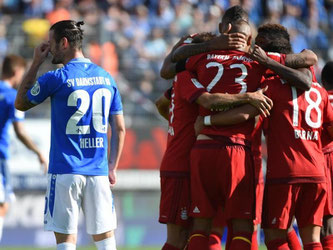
(293, 133)
(182, 115)
(326, 138)
(227, 71)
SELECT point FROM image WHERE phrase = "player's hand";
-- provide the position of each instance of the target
(199, 125)
(261, 102)
(229, 41)
(40, 53)
(43, 162)
(112, 177)
(181, 41)
(259, 55)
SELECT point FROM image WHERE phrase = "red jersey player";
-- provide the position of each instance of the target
(327, 229)
(295, 171)
(230, 142)
(221, 161)
(240, 114)
(294, 162)
(175, 163)
(304, 59)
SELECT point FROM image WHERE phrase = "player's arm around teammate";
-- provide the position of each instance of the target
(304, 59)
(300, 78)
(223, 41)
(180, 53)
(233, 116)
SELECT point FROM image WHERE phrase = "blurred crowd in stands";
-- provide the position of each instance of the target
(130, 38)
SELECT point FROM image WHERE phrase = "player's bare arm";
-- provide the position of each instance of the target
(117, 143)
(40, 53)
(230, 117)
(26, 140)
(162, 104)
(218, 101)
(301, 79)
(260, 104)
(168, 69)
(304, 59)
(224, 41)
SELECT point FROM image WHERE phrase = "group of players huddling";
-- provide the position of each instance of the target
(224, 95)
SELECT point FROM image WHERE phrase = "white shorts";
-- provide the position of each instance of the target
(6, 190)
(67, 193)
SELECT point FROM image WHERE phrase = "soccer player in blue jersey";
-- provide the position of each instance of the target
(84, 100)
(13, 68)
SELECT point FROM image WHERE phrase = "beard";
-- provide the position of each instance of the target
(57, 59)
(58, 56)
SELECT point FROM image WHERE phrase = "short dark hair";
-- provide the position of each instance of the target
(327, 75)
(235, 14)
(274, 38)
(9, 64)
(69, 29)
(241, 26)
(203, 37)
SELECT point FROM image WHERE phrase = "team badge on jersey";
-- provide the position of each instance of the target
(183, 213)
(35, 89)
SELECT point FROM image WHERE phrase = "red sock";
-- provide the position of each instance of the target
(229, 237)
(198, 241)
(214, 241)
(169, 247)
(254, 245)
(277, 244)
(241, 241)
(293, 241)
(327, 242)
(313, 246)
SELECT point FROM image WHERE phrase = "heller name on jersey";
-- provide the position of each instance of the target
(97, 142)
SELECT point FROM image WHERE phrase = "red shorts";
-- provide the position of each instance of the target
(329, 171)
(305, 201)
(259, 185)
(219, 219)
(222, 176)
(175, 200)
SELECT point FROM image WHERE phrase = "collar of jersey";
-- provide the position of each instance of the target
(80, 60)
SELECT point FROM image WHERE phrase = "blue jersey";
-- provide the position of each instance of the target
(83, 98)
(8, 114)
